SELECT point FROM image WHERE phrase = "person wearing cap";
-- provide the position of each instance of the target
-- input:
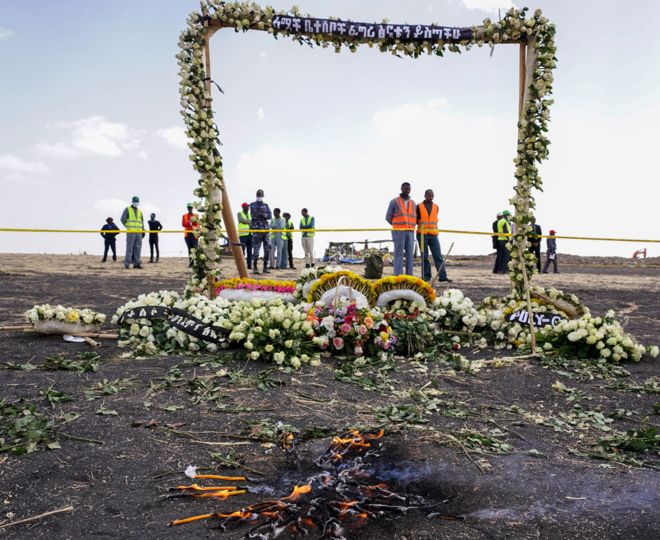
(503, 237)
(132, 219)
(244, 220)
(277, 247)
(494, 237)
(109, 239)
(288, 238)
(261, 216)
(534, 239)
(154, 225)
(402, 216)
(190, 223)
(427, 237)
(551, 253)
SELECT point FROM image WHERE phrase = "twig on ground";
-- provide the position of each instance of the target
(40, 516)
(461, 445)
(76, 438)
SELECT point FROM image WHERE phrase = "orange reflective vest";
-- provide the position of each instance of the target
(405, 215)
(428, 224)
(190, 223)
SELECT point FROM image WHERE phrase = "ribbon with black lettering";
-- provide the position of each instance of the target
(177, 318)
(540, 319)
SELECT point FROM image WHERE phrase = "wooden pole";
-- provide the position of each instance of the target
(523, 85)
(522, 61)
(227, 214)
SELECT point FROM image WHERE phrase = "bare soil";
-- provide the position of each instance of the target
(546, 486)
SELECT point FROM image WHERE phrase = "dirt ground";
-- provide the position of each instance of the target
(502, 450)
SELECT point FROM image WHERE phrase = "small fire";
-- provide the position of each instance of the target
(345, 495)
(297, 492)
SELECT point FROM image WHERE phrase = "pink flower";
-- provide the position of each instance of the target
(362, 329)
(369, 322)
(345, 328)
(358, 351)
(338, 343)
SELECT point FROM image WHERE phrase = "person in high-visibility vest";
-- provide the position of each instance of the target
(427, 237)
(244, 220)
(132, 219)
(402, 215)
(190, 223)
(308, 225)
(503, 256)
(289, 238)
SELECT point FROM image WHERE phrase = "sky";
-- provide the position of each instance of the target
(90, 117)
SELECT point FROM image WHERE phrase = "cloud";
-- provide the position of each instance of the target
(260, 113)
(488, 5)
(92, 136)
(57, 150)
(263, 55)
(175, 136)
(5, 34)
(14, 164)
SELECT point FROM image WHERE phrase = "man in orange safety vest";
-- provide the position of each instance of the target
(427, 237)
(190, 223)
(402, 215)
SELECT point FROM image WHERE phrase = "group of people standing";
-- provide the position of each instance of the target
(405, 217)
(133, 221)
(270, 233)
(503, 228)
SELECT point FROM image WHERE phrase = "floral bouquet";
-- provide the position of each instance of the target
(309, 276)
(350, 329)
(593, 337)
(273, 331)
(155, 335)
(344, 285)
(246, 289)
(58, 319)
(403, 287)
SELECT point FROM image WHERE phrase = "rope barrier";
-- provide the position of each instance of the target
(340, 230)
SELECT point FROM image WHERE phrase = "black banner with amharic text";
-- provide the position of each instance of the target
(177, 318)
(371, 31)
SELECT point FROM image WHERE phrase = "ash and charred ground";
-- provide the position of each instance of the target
(175, 411)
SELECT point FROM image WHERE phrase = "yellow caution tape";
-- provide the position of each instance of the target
(381, 229)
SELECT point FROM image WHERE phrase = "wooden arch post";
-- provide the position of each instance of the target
(527, 53)
(227, 214)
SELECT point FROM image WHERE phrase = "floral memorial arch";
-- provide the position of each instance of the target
(533, 33)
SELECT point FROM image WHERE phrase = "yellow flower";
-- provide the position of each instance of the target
(72, 316)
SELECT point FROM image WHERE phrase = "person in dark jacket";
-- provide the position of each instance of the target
(109, 239)
(154, 225)
(534, 240)
(261, 216)
(551, 253)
